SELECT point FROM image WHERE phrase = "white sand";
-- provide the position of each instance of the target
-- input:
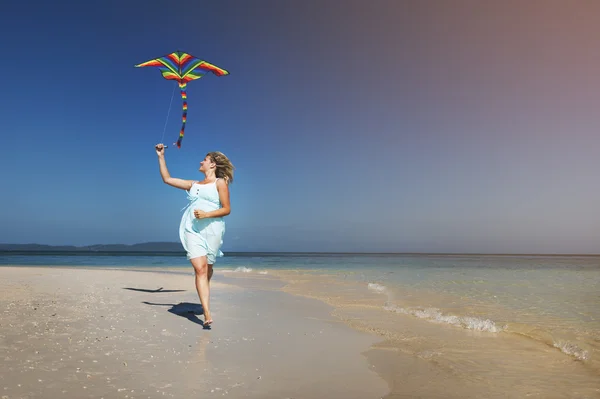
(77, 333)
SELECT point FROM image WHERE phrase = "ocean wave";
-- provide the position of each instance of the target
(572, 350)
(376, 287)
(435, 316)
(240, 269)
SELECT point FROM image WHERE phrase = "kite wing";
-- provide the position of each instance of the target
(183, 68)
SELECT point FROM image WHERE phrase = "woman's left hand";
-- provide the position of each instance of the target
(200, 214)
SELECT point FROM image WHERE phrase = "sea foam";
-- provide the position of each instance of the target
(572, 350)
(435, 316)
(376, 287)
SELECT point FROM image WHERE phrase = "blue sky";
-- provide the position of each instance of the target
(399, 126)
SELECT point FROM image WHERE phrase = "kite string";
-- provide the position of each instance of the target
(168, 113)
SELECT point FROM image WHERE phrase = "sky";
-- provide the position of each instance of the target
(394, 126)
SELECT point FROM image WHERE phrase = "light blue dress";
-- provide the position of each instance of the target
(202, 237)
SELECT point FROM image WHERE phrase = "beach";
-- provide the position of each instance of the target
(75, 332)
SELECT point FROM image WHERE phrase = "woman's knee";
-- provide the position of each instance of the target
(200, 266)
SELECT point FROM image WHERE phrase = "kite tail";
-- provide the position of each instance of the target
(182, 87)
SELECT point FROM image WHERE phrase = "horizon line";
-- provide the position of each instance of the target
(506, 254)
(297, 252)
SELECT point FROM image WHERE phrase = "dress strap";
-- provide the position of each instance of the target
(193, 182)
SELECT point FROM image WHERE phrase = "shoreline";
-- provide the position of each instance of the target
(470, 351)
(414, 356)
(374, 293)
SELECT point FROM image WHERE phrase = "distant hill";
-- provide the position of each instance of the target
(141, 247)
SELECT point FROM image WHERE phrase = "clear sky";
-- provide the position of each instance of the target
(354, 126)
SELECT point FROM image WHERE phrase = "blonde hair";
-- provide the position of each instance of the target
(225, 168)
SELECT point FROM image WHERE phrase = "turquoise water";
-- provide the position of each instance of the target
(555, 299)
(144, 259)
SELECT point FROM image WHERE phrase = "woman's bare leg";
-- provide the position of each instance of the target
(210, 272)
(201, 269)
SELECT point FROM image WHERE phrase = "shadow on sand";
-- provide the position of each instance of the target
(184, 309)
(146, 290)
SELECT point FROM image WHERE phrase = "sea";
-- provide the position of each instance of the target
(552, 299)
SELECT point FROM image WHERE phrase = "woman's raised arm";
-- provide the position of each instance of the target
(164, 172)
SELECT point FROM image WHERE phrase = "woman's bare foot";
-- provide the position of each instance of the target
(207, 319)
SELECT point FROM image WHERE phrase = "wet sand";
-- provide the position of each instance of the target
(81, 333)
(424, 359)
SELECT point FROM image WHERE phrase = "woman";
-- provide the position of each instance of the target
(202, 227)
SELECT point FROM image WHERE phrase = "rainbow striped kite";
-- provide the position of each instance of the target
(183, 68)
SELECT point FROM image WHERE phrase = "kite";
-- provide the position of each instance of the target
(183, 68)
